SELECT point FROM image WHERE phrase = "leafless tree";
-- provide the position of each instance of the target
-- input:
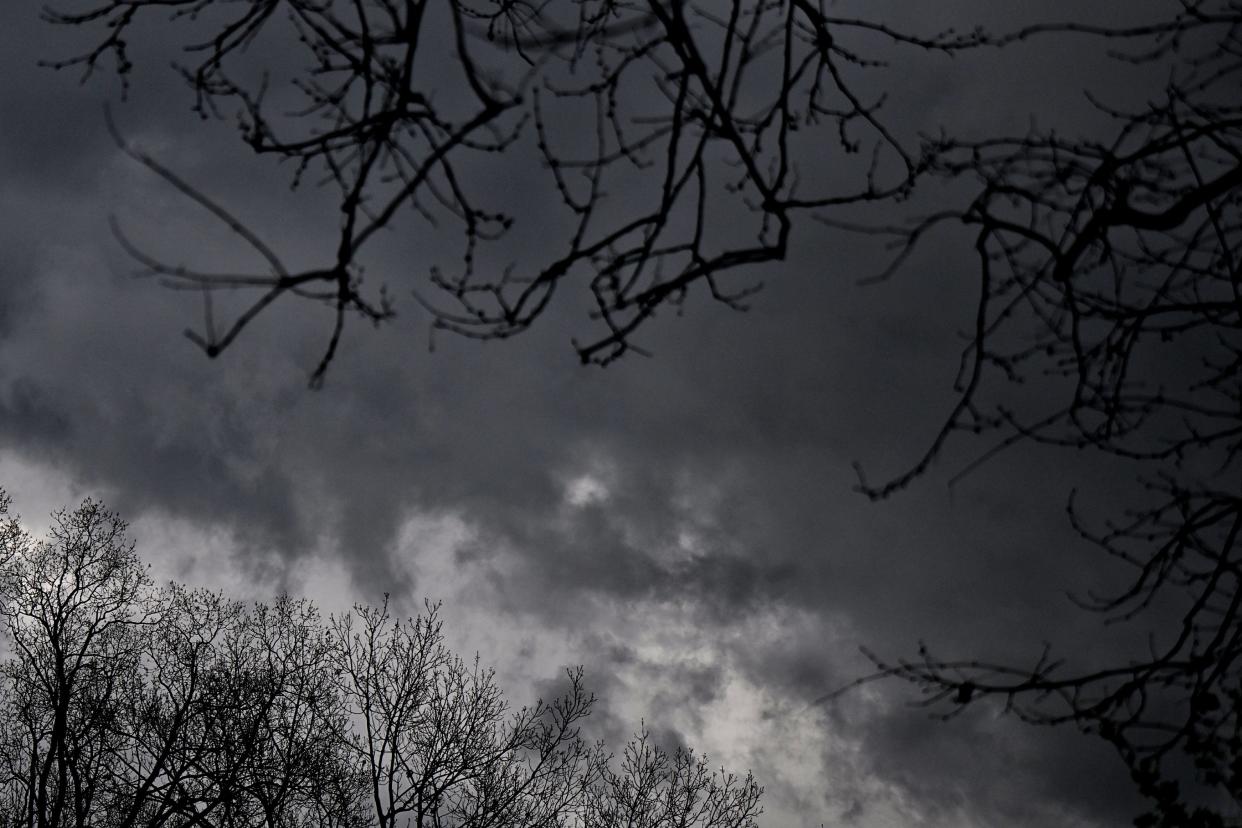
(127, 705)
(653, 788)
(73, 612)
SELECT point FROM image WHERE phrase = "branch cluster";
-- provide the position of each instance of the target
(675, 135)
(1109, 319)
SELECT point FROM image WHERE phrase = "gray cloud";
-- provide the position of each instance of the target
(722, 465)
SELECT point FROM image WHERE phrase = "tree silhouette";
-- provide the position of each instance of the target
(128, 705)
(1109, 298)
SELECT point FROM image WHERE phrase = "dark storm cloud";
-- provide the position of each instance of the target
(995, 770)
(31, 417)
(17, 278)
(724, 462)
(45, 150)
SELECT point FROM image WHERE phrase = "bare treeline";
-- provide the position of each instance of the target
(123, 704)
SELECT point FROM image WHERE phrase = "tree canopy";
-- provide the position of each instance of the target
(127, 704)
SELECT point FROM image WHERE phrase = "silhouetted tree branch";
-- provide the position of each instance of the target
(713, 111)
(1109, 319)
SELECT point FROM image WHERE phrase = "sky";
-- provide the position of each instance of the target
(684, 525)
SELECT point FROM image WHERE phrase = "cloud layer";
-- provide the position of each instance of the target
(684, 525)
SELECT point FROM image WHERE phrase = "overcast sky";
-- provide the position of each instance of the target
(683, 525)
